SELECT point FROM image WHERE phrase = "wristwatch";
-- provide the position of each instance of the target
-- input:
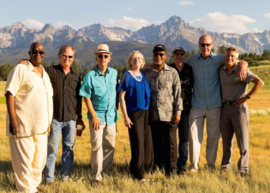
(248, 96)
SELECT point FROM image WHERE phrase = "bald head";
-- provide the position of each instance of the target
(36, 53)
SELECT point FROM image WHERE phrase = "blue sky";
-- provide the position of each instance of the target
(232, 16)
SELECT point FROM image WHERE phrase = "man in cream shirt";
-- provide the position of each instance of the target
(29, 103)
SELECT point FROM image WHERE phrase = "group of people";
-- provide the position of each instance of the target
(155, 101)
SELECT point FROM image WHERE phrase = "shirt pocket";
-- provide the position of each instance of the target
(99, 91)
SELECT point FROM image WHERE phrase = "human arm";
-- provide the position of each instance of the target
(95, 120)
(23, 61)
(242, 69)
(127, 121)
(79, 105)
(14, 126)
(178, 103)
(258, 84)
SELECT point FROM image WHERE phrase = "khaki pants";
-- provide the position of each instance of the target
(196, 121)
(28, 157)
(102, 142)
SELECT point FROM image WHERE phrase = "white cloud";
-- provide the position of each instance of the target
(130, 23)
(267, 15)
(61, 23)
(31, 23)
(255, 30)
(183, 3)
(219, 22)
(129, 9)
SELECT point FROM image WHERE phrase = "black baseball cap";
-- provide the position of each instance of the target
(159, 47)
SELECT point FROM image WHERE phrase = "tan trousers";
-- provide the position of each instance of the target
(102, 142)
(196, 121)
(28, 157)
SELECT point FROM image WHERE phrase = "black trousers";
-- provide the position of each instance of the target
(165, 146)
(141, 145)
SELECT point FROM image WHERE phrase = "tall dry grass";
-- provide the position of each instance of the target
(119, 179)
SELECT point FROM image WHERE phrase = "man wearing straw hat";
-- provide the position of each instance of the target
(99, 92)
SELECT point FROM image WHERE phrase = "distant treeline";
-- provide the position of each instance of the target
(253, 59)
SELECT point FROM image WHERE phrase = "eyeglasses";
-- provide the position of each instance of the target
(179, 53)
(65, 56)
(101, 56)
(207, 45)
(36, 52)
(160, 54)
(136, 58)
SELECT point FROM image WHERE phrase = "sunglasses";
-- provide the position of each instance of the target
(65, 56)
(36, 52)
(101, 56)
(179, 53)
(159, 54)
(207, 45)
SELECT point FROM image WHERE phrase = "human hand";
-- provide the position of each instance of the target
(14, 127)
(128, 122)
(176, 118)
(23, 61)
(240, 101)
(80, 122)
(242, 70)
(149, 67)
(96, 123)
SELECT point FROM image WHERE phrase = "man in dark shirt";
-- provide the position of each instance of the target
(186, 79)
(67, 108)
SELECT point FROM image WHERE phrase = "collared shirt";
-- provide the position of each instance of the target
(66, 92)
(33, 95)
(232, 86)
(206, 93)
(165, 89)
(101, 89)
(186, 79)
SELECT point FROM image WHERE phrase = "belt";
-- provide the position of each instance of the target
(228, 102)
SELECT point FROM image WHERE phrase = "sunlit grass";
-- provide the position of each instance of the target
(120, 181)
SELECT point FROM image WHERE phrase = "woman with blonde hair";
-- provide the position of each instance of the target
(134, 100)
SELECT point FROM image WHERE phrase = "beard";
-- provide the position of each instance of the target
(158, 63)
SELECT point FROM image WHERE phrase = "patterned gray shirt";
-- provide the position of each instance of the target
(165, 93)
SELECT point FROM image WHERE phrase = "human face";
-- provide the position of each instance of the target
(36, 54)
(206, 46)
(178, 57)
(136, 61)
(67, 57)
(230, 58)
(159, 57)
(103, 59)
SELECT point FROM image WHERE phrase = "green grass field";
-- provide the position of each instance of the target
(119, 179)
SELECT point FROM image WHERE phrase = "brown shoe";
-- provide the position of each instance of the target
(52, 185)
(95, 183)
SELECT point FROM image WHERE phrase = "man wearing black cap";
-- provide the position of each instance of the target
(165, 110)
(185, 72)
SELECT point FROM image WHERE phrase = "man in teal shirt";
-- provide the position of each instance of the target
(99, 92)
(206, 102)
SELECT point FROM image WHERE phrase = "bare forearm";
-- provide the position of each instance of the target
(11, 106)
(90, 107)
(258, 85)
(123, 103)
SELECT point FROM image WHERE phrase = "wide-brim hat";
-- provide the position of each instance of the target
(103, 48)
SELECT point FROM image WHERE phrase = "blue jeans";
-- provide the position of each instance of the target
(68, 139)
(183, 130)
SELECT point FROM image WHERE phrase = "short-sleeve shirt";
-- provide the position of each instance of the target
(206, 93)
(137, 92)
(166, 97)
(33, 100)
(232, 86)
(101, 89)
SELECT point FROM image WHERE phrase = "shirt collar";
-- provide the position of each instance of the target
(235, 68)
(198, 56)
(98, 73)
